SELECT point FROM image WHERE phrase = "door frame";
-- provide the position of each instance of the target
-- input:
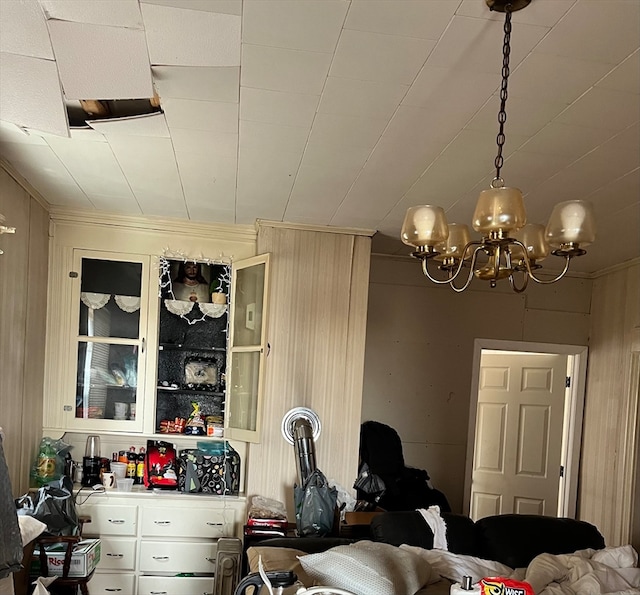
(572, 425)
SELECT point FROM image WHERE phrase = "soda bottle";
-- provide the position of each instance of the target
(132, 461)
(140, 467)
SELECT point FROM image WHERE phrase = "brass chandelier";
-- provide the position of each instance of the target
(510, 247)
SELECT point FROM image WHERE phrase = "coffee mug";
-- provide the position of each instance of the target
(109, 480)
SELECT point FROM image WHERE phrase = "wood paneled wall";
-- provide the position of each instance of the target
(317, 315)
(608, 481)
(23, 302)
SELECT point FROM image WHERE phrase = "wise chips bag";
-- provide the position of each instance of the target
(496, 585)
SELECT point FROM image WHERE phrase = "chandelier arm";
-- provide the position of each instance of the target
(512, 282)
(427, 274)
(472, 267)
(550, 281)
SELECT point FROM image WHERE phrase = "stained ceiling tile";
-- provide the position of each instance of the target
(313, 25)
(30, 94)
(181, 37)
(201, 115)
(219, 6)
(276, 69)
(101, 62)
(23, 30)
(377, 57)
(124, 13)
(153, 125)
(583, 37)
(197, 82)
(276, 107)
(423, 20)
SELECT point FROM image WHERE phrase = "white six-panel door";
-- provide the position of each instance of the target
(518, 438)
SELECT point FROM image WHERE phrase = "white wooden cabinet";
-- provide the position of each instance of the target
(154, 543)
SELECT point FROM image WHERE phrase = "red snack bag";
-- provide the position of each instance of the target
(496, 585)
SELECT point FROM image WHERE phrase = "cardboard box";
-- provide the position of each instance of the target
(360, 518)
(85, 558)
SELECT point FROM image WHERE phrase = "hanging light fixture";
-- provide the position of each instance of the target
(510, 247)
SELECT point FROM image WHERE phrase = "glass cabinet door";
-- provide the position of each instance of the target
(110, 306)
(247, 345)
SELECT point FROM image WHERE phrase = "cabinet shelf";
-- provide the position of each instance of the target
(179, 347)
(191, 391)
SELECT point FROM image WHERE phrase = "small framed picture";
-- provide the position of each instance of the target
(200, 372)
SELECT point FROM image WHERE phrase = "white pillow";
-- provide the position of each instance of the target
(455, 566)
(368, 568)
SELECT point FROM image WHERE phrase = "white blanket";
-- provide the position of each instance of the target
(611, 571)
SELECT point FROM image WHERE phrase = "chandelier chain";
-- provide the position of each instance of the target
(502, 114)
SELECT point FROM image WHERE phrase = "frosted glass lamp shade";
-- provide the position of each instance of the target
(424, 225)
(532, 236)
(499, 210)
(571, 222)
(454, 246)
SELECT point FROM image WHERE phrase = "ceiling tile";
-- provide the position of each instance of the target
(150, 166)
(272, 137)
(620, 194)
(335, 157)
(376, 57)
(23, 30)
(540, 12)
(625, 77)
(482, 50)
(543, 77)
(93, 167)
(197, 82)
(214, 146)
(275, 107)
(347, 97)
(201, 115)
(583, 37)
(313, 25)
(101, 62)
(347, 131)
(154, 125)
(181, 37)
(30, 94)
(572, 141)
(124, 13)
(292, 71)
(220, 6)
(10, 133)
(424, 20)
(621, 109)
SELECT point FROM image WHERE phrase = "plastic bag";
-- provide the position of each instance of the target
(49, 463)
(266, 508)
(53, 505)
(315, 504)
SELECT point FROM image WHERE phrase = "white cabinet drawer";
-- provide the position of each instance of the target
(112, 584)
(117, 554)
(110, 520)
(155, 585)
(162, 556)
(162, 521)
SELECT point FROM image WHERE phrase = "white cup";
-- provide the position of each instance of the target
(119, 469)
(108, 480)
(120, 410)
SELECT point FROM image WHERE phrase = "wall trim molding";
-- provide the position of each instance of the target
(354, 231)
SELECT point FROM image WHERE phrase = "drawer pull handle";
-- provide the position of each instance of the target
(112, 590)
(162, 522)
(215, 524)
(212, 560)
(160, 558)
(116, 521)
(158, 593)
(115, 555)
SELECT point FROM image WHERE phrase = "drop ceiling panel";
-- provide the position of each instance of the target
(313, 25)
(347, 131)
(275, 107)
(423, 20)
(154, 125)
(201, 115)
(10, 133)
(94, 167)
(621, 109)
(271, 137)
(376, 57)
(219, 6)
(335, 157)
(150, 166)
(348, 97)
(219, 145)
(197, 82)
(566, 139)
(482, 50)
(562, 79)
(626, 77)
(620, 194)
(23, 30)
(181, 37)
(124, 13)
(101, 62)
(292, 71)
(30, 94)
(583, 36)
